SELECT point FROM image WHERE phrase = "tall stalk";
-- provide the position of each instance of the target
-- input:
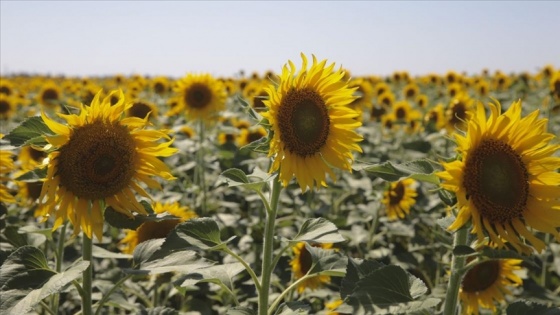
(457, 264)
(87, 248)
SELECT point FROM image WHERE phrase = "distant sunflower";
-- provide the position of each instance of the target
(435, 118)
(8, 106)
(482, 88)
(364, 93)
(386, 99)
(422, 100)
(249, 135)
(187, 131)
(6, 167)
(401, 110)
(388, 121)
(201, 96)
(156, 229)
(555, 85)
(141, 109)
(98, 158)
(312, 124)
(410, 91)
(302, 263)
(50, 94)
(381, 88)
(458, 112)
(399, 198)
(7, 87)
(226, 138)
(30, 157)
(160, 85)
(377, 112)
(486, 284)
(506, 178)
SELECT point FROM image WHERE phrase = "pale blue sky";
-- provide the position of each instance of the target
(368, 38)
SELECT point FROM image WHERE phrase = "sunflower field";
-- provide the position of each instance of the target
(303, 191)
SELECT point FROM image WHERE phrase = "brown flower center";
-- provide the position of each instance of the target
(140, 110)
(98, 160)
(153, 230)
(304, 122)
(396, 194)
(198, 96)
(496, 180)
(49, 95)
(4, 107)
(481, 276)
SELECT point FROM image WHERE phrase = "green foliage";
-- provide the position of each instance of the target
(319, 230)
(421, 170)
(30, 131)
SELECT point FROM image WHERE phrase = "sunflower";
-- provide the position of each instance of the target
(482, 88)
(331, 306)
(8, 106)
(487, 283)
(386, 99)
(254, 93)
(226, 138)
(141, 109)
(401, 110)
(187, 131)
(97, 158)
(7, 87)
(50, 94)
(201, 96)
(156, 229)
(377, 112)
(388, 121)
(399, 197)
(506, 178)
(422, 100)
(302, 263)
(555, 85)
(435, 118)
(160, 85)
(381, 88)
(313, 128)
(411, 90)
(6, 167)
(364, 93)
(249, 135)
(454, 89)
(458, 112)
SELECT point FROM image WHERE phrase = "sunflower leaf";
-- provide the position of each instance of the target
(29, 131)
(54, 284)
(530, 308)
(318, 230)
(418, 145)
(493, 253)
(464, 250)
(240, 310)
(293, 307)
(327, 261)
(371, 287)
(214, 274)
(203, 233)
(421, 170)
(180, 261)
(33, 175)
(236, 177)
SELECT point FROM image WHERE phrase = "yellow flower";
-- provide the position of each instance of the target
(411, 90)
(458, 112)
(249, 135)
(331, 306)
(98, 158)
(201, 96)
(156, 229)
(312, 124)
(141, 109)
(6, 167)
(399, 198)
(506, 178)
(50, 94)
(8, 106)
(487, 283)
(435, 118)
(302, 263)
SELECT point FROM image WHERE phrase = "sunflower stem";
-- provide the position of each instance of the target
(268, 246)
(59, 258)
(87, 247)
(288, 290)
(201, 166)
(457, 264)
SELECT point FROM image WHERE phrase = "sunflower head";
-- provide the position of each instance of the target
(399, 197)
(98, 158)
(201, 96)
(156, 229)
(8, 106)
(312, 125)
(6, 167)
(506, 179)
(487, 283)
(302, 263)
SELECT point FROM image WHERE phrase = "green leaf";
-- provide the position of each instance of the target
(214, 274)
(240, 310)
(326, 262)
(203, 233)
(182, 262)
(446, 222)
(318, 230)
(371, 287)
(530, 308)
(293, 307)
(145, 250)
(418, 145)
(122, 221)
(100, 252)
(159, 310)
(236, 177)
(447, 197)
(54, 285)
(29, 131)
(493, 253)
(33, 175)
(421, 170)
(25, 268)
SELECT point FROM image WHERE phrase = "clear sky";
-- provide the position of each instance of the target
(367, 38)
